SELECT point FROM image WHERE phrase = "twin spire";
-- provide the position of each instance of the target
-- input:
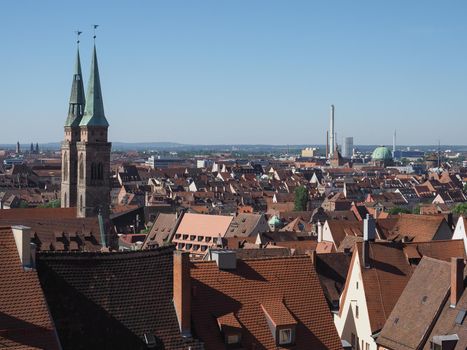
(91, 113)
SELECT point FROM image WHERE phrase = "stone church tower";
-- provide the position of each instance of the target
(72, 136)
(93, 151)
(86, 151)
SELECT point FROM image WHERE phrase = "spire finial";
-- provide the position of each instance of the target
(95, 27)
(78, 33)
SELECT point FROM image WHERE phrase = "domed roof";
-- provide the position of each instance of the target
(381, 153)
(275, 221)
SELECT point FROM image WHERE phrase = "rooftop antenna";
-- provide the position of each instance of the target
(439, 146)
(78, 33)
(94, 31)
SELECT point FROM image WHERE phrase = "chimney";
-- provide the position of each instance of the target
(182, 291)
(368, 236)
(369, 229)
(457, 280)
(320, 231)
(312, 255)
(22, 236)
(225, 259)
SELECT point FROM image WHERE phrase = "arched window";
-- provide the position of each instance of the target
(81, 202)
(65, 203)
(65, 166)
(100, 171)
(81, 166)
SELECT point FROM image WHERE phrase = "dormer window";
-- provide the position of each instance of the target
(230, 328)
(285, 336)
(281, 322)
(233, 339)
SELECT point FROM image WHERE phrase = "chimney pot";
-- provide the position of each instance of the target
(457, 280)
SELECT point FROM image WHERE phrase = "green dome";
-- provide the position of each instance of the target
(275, 221)
(381, 153)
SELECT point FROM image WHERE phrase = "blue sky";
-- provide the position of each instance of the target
(243, 71)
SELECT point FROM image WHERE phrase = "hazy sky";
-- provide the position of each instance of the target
(241, 71)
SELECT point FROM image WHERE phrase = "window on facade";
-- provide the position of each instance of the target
(352, 341)
(435, 346)
(65, 166)
(100, 171)
(367, 346)
(285, 336)
(81, 166)
(233, 338)
(357, 284)
(356, 311)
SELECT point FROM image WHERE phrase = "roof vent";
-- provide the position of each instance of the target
(225, 259)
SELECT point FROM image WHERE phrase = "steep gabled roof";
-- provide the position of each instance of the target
(110, 300)
(417, 307)
(384, 281)
(291, 281)
(25, 322)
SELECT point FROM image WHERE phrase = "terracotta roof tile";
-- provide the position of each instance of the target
(242, 291)
(24, 318)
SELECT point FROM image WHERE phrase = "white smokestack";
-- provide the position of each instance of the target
(332, 141)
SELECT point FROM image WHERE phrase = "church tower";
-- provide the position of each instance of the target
(72, 136)
(93, 152)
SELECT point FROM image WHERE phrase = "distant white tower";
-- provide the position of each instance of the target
(347, 147)
(394, 145)
(332, 141)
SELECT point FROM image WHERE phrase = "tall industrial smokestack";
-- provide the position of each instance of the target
(332, 141)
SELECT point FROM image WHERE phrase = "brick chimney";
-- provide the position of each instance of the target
(457, 280)
(182, 291)
(22, 236)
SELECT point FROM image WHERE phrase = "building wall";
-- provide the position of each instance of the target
(347, 322)
(460, 233)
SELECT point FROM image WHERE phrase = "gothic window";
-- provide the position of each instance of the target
(65, 166)
(81, 202)
(100, 172)
(65, 203)
(81, 167)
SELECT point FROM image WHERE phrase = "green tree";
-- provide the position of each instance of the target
(23, 204)
(460, 209)
(398, 210)
(465, 188)
(416, 209)
(301, 198)
(52, 204)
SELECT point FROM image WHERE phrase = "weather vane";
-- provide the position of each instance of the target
(78, 33)
(95, 26)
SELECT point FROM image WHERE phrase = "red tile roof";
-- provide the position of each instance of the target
(291, 281)
(24, 318)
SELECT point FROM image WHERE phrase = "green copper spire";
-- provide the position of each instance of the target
(77, 100)
(94, 111)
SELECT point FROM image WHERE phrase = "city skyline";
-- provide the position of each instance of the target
(243, 86)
